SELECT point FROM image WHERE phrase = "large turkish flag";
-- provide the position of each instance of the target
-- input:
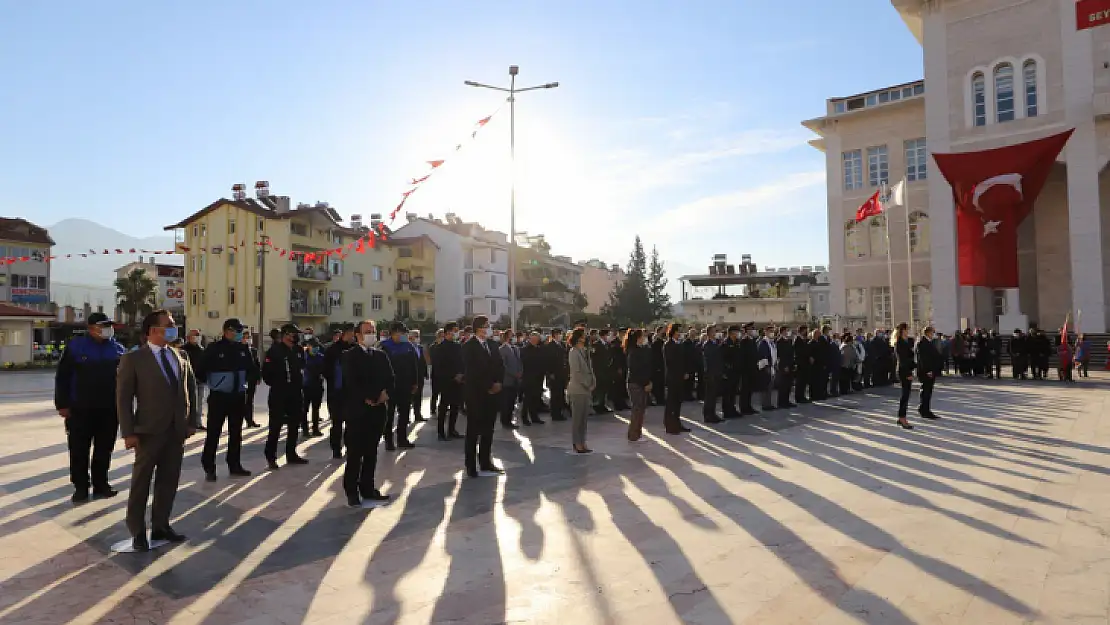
(994, 191)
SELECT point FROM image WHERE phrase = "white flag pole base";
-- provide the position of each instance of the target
(128, 545)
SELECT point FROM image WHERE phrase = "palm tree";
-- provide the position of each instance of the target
(135, 294)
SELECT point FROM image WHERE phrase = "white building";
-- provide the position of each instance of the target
(471, 268)
(171, 284)
(997, 73)
(736, 294)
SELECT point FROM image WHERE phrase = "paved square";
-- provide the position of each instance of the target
(999, 513)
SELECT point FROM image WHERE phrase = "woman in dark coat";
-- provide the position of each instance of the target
(674, 362)
(638, 379)
(903, 353)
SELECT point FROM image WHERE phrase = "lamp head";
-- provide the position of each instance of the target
(551, 85)
(513, 70)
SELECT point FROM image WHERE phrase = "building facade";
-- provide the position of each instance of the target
(997, 73)
(549, 287)
(171, 285)
(234, 266)
(599, 280)
(415, 271)
(25, 283)
(737, 294)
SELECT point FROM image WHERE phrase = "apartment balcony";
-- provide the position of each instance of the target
(417, 288)
(310, 309)
(311, 273)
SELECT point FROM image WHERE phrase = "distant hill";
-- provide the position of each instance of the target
(77, 280)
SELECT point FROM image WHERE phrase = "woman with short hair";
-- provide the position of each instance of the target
(579, 389)
(638, 379)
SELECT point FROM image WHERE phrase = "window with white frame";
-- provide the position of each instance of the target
(376, 273)
(193, 297)
(919, 231)
(878, 166)
(336, 267)
(468, 284)
(1029, 77)
(876, 229)
(468, 308)
(916, 159)
(998, 297)
(922, 302)
(979, 99)
(880, 307)
(358, 279)
(356, 309)
(855, 245)
(203, 230)
(231, 226)
(202, 261)
(375, 302)
(493, 281)
(193, 263)
(493, 308)
(231, 259)
(258, 258)
(853, 169)
(196, 230)
(856, 304)
(1004, 92)
(203, 297)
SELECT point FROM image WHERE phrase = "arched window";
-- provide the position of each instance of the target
(1029, 75)
(854, 242)
(877, 235)
(1004, 92)
(919, 231)
(979, 98)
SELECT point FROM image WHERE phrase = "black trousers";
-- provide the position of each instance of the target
(712, 388)
(818, 383)
(286, 406)
(533, 399)
(435, 394)
(418, 401)
(618, 393)
(557, 387)
(222, 407)
(364, 432)
(659, 387)
(481, 414)
(507, 399)
(672, 407)
(747, 388)
(926, 394)
(248, 415)
(399, 409)
(846, 375)
(313, 397)
(904, 399)
(801, 379)
(785, 380)
(335, 412)
(93, 431)
(730, 389)
(449, 400)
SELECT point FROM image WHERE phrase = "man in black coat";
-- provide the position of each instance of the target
(283, 372)
(333, 374)
(228, 365)
(730, 374)
(802, 366)
(368, 383)
(558, 374)
(784, 377)
(1019, 355)
(749, 370)
(929, 364)
(599, 360)
(692, 351)
(818, 351)
(658, 366)
(481, 387)
(447, 371)
(675, 376)
(618, 389)
(533, 361)
(713, 359)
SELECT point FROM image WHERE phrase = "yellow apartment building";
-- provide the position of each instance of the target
(234, 266)
(415, 271)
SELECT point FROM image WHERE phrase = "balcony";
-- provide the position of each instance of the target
(310, 309)
(311, 273)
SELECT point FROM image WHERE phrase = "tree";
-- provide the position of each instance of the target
(135, 294)
(630, 302)
(657, 287)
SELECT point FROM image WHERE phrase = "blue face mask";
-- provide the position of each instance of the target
(238, 338)
(171, 334)
(403, 339)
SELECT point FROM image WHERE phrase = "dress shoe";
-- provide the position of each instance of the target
(295, 460)
(538, 421)
(139, 543)
(558, 418)
(929, 415)
(81, 495)
(389, 446)
(316, 433)
(406, 444)
(511, 426)
(492, 469)
(455, 434)
(201, 428)
(252, 424)
(684, 429)
(767, 408)
(354, 502)
(336, 455)
(470, 473)
(272, 464)
(104, 492)
(376, 497)
(748, 413)
(714, 419)
(209, 476)
(419, 419)
(443, 439)
(167, 533)
(789, 405)
(239, 472)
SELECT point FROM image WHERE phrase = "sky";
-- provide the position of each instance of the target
(677, 121)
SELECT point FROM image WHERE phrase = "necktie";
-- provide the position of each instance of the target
(170, 375)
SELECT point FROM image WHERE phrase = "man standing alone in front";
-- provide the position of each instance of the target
(369, 381)
(154, 392)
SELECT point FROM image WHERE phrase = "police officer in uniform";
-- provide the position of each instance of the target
(228, 367)
(283, 372)
(333, 373)
(85, 396)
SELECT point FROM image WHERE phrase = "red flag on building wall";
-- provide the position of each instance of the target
(870, 208)
(994, 190)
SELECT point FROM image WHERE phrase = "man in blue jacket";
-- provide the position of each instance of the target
(85, 396)
(228, 366)
(406, 369)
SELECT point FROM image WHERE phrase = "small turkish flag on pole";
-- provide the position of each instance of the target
(872, 207)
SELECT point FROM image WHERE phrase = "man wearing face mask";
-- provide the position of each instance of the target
(252, 380)
(313, 386)
(283, 371)
(228, 365)
(85, 397)
(712, 353)
(731, 378)
(785, 374)
(659, 366)
(802, 365)
(599, 360)
(369, 382)
(558, 372)
(333, 373)
(447, 371)
(195, 353)
(406, 369)
(482, 385)
(749, 370)
(618, 392)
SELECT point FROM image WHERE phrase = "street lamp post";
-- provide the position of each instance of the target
(512, 91)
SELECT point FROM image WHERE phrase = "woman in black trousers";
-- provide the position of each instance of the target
(903, 353)
(674, 361)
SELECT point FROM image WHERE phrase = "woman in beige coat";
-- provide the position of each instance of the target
(580, 389)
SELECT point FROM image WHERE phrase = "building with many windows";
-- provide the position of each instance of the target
(415, 271)
(599, 280)
(171, 285)
(549, 287)
(737, 294)
(235, 265)
(26, 282)
(997, 73)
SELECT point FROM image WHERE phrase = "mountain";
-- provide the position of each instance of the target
(77, 280)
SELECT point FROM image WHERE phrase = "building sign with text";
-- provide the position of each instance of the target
(1091, 13)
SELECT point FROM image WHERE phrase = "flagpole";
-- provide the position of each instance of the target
(884, 196)
(909, 248)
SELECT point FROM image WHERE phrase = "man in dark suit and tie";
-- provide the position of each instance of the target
(155, 389)
(368, 381)
(481, 386)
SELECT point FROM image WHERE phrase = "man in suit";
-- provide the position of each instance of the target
(447, 371)
(155, 390)
(558, 374)
(730, 353)
(802, 365)
(511, 383)
(785, 373)
(749, 370)
(333, 373)
(481, 387)
(658, 366)
(406, 369)
(368, 381)
(768, 355)
(713, 369)
(423, 360)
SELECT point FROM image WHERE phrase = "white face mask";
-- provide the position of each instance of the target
(369, 340)
(107, 332)
(512, 340)
(643, 342)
